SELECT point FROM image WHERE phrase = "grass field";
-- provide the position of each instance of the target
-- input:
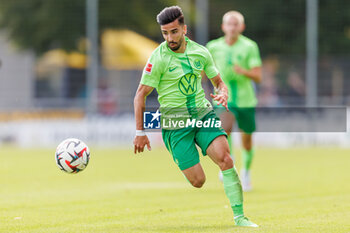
(296, 190)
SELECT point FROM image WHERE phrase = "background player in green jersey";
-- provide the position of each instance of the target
(238, 60)
(174, 69)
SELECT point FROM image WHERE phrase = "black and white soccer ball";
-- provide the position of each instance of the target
(72, 155)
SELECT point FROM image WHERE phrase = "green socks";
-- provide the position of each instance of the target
(247, 157)
(233, 190)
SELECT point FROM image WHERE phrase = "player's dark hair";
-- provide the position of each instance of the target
(170, 14)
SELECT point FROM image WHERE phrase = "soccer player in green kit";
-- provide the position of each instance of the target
(174, 69)
(239, 63)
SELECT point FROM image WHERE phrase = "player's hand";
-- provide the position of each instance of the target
(220, 98)
(140, 142)
(239, 70)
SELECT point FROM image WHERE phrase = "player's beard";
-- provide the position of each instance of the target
(178, 45)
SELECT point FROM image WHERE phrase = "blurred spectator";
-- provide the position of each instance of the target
(106, 98)
(295, 89)
(267, 94)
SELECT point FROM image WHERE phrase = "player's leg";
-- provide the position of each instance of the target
(181, 145)
(247, 155)
(195, 175)
(227, 119)
(247, 158)
(246, 122)
(218, 151)
(214, 143)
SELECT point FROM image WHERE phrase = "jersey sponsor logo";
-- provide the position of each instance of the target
(148, 68)
(171, 69)
(198, 64)
(188, 84)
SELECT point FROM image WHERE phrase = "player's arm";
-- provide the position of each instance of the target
(221, 92)
(253, 70)
(254, 73)
(141, 138)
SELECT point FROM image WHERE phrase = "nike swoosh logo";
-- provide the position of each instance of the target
(172, 69)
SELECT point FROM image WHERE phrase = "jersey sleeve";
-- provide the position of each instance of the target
(153, 71)
(254, 57)
(209, 67)
(209, 46)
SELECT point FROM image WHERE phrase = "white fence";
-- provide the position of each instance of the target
(119, 132)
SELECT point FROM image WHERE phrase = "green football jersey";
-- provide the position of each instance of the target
(177, 78)
(244, 53)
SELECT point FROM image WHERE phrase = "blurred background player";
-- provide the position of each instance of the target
(174, 66)
(238, 60)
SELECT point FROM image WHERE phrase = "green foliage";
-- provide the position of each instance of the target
(44, 24)
(136, 15)
(277, 26)
(334, 26)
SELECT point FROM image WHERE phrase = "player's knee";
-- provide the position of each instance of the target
(198, 183)
(247, 145)
(226, 162)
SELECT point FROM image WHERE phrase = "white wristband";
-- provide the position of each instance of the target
(140, 133)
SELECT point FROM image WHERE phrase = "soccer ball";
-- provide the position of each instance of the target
(72, 155)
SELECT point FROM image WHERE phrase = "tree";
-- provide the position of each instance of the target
(41, 25)
(45, 24)
(278, 26)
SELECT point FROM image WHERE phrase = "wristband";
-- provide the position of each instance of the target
(140, 133)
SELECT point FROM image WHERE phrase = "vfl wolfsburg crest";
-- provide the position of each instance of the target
(188, 84)
(197, 63)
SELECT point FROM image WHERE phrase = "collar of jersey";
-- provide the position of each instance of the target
(231, 46)
(179, 54)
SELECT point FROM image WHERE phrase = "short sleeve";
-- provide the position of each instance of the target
(153, 71)
(209, 46)
(254, 57)
(209, 68)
